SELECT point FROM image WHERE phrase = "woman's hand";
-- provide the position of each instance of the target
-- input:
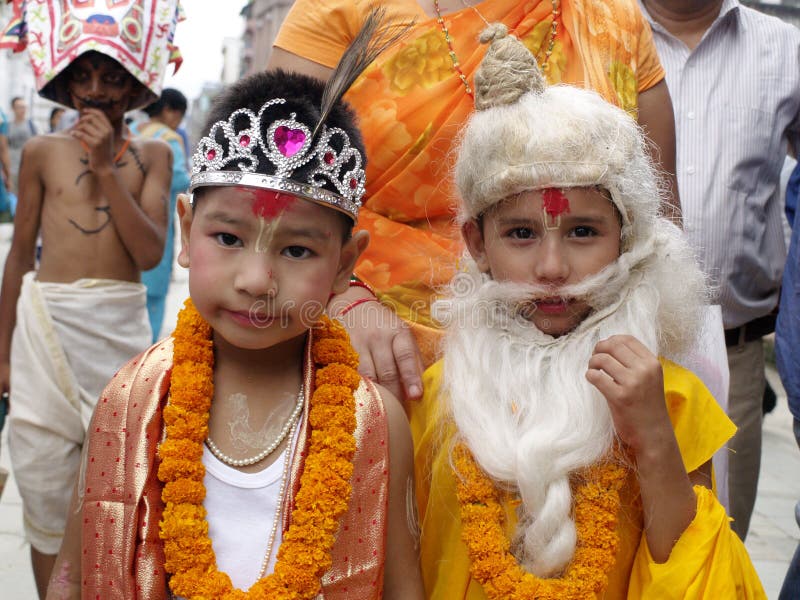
(388, 351)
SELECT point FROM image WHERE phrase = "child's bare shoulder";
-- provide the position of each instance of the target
(57, 159)
(396, 419)
(50, 145)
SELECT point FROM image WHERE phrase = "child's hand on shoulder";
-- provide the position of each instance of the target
(632, 381)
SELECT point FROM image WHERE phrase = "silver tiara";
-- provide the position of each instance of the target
(288, 146)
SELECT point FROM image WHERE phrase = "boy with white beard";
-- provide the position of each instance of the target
(556, 455)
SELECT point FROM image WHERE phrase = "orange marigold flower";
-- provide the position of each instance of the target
(326, 351)
(188, 554)
(180, 448)
(324, 492)
(331, 416)
(496, 569)
(175, 468)
(184, 491)
(338, 375)
(332, 394)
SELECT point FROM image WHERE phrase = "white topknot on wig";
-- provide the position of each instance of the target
(507, 72)
(526, 135)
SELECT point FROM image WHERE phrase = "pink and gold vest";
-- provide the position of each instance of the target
(122, 555)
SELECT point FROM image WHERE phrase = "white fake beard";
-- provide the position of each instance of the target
(520, 398)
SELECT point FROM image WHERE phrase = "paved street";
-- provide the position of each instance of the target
(773, 535)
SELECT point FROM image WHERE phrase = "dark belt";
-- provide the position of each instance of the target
(750, 331)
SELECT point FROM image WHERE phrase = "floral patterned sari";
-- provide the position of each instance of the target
(411, 106)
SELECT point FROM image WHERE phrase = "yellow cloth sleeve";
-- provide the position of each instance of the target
(321, 30)
(427, 429)
(708, 561)
(701, 426)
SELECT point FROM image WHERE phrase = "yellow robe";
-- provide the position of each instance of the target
(708, 561)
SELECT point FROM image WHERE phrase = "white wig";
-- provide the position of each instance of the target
(530, 136)
(518, 396)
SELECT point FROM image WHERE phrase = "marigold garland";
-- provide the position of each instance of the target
(492, 564)
(324, 493)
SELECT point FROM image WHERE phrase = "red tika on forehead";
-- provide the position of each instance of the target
(269, 204)
(554, 202)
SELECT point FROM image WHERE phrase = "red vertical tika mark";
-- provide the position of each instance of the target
(554, 202)
(269, 204)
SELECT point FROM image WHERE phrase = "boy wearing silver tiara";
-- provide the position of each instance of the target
(557, 456)
(75, 313)
(245, 457)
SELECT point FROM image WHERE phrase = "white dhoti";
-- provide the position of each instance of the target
(69, 341)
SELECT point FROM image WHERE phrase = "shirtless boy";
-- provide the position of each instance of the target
(98, 200)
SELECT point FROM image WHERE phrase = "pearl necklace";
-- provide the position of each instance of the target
(286, 462)
(287, 427)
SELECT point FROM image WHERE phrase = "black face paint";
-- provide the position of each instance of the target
(121, 163)
(83, 230)
(135, 154)
(89, 103)
(85, 162)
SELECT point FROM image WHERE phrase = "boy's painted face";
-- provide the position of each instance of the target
(262, 265)
(549, 238)
(95, 80)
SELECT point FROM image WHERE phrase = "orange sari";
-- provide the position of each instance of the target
(411, 106)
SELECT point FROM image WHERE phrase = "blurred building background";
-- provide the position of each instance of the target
(263, 19)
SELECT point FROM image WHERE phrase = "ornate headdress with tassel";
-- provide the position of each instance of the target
(527, 135)
(301, 141)
(138, 34)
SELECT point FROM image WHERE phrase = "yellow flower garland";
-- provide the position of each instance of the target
(324, 493)
(492, 564)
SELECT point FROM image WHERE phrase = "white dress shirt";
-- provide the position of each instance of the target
(736, 98)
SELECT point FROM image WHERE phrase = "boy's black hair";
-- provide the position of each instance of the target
(303, 96)
(14, 100)
(170, 98)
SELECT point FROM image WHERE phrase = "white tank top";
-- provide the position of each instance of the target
(241, 508)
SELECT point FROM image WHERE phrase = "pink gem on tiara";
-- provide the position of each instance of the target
(337, 173)
(289, 141)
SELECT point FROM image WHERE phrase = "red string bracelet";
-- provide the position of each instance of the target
(355, 303)
(361, 284)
